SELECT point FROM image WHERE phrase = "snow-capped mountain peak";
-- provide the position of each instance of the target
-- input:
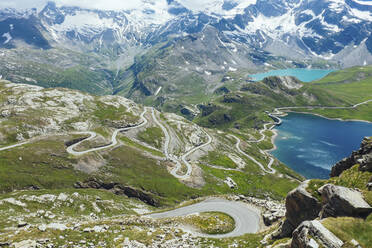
(320, 28)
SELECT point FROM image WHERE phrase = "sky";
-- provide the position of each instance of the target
(95, 4)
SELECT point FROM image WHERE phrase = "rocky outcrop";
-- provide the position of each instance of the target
(284, 83)
(363, 157)
(312, 234)
(301, 206)
(118, 189)
(274, 211)
(342, 201)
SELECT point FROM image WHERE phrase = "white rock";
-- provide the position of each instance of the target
(5, 113)
(15, 202)
(62, 197)
(25, 244)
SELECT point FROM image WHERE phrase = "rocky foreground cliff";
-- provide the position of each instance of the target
(331, 213)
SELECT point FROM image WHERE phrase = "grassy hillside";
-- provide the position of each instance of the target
(49, 118)
(245, 108)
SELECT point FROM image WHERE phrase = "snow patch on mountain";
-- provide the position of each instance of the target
(363, 15)
(369, 3)
(8, 38)
(216, 7)
(83, 21)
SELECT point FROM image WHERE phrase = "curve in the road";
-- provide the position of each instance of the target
(175, 171)
(114, 140)
(246, 219)
(270, 170)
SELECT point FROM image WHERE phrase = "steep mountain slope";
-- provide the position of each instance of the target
(38, 125)
(63, 149)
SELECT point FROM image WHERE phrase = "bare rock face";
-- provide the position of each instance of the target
(118, 189)
(363, 157)
(300, 206)
(342, 201)
(312, 234)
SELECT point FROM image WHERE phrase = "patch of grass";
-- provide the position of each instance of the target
(352, 178)
(347, 228)
(362, 112)
(130, 142)
(44, 164)
(128, 166)
(313, 187)
(152, 136)
(247, 241)
(106, 112)
(211, 222)
(249, 182)
(219, 159)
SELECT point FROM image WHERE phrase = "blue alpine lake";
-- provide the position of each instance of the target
(305, 75)
(311, 145)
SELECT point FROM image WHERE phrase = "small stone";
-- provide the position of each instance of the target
(62, 197)
(42, 228)
(369, 186)
(355, 243)
(22, 224)
(25, 244)
(5, 113)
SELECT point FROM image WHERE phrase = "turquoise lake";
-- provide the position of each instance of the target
(305, 75)
(311, 145)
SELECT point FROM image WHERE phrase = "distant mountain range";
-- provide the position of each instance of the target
(329, 29)
(157, 50)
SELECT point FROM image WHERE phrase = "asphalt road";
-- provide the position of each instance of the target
(114, 140)
(247, 220)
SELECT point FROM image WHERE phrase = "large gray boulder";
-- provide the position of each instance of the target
(342, 201)
(312, 234)
(300, 206)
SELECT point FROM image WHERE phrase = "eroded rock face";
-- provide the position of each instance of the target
(300, 206)
(313, 234)
(118, 189)
(363, 157)
(342, 201)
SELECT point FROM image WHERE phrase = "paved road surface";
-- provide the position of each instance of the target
(172, 158)
(114, 140)
(246, 219)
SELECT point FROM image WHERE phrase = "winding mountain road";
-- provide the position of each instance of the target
(270, 171)
(14, 146)
(246, 219)
(114, 140)
(172, 158)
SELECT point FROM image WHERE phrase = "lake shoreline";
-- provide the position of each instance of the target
(305, 75)
(309, 113)
(328, 118)
(317, 137)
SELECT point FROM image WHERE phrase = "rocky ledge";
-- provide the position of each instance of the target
(118, 189)
(363, 157)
